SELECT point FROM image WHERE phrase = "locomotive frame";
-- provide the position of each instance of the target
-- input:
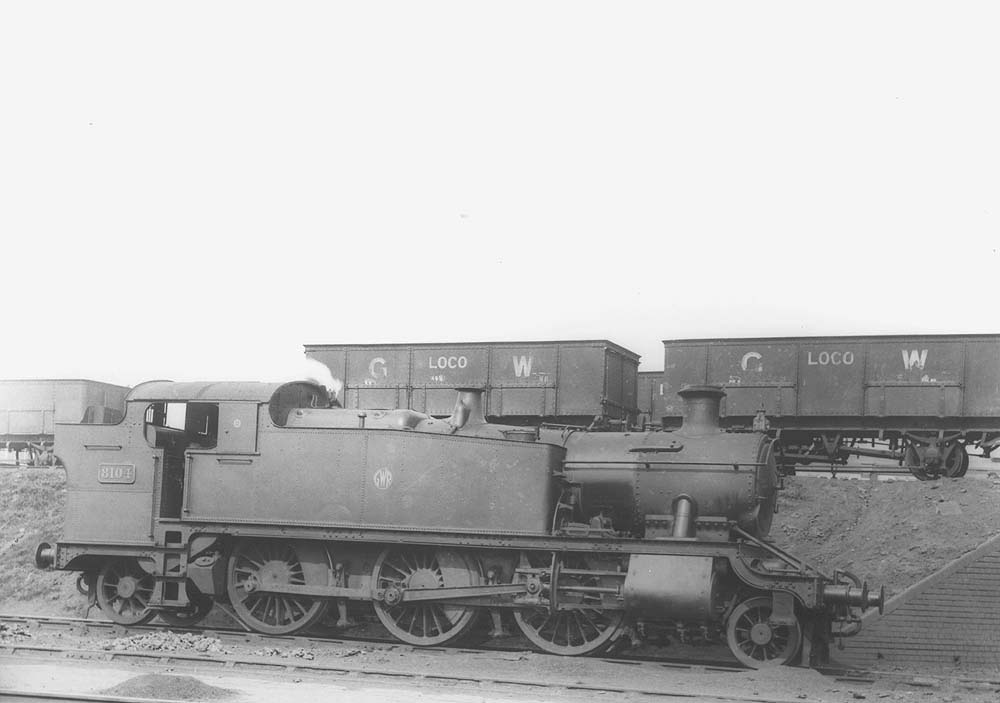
(261, 498)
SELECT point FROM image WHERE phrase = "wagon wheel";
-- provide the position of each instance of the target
(424, 623)
(757, 643)
(123, 591)
(915, 463)
(586, 629)
(965, 463)
(956, 460)
(254, 562)
(200, 606)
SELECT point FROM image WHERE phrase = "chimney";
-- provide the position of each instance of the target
(701, 409)
(468, 408)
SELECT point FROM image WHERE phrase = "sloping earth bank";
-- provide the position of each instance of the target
(891, 533)
(31, 511)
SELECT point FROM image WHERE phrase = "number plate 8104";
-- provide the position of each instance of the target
(116, 473)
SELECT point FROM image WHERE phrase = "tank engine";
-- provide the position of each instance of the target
(264, 500)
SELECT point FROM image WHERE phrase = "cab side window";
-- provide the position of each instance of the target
(202, 424)
(187, 424)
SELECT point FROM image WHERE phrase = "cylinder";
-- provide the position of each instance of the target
(670, 586)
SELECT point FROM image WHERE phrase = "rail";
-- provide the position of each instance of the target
(642, 678)
(338, 657)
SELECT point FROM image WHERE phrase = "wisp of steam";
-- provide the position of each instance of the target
(318, 372)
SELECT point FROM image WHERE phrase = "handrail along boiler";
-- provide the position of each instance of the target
(265, 500)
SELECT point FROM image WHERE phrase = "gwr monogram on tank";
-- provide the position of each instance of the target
(382, 479)
(116, 473)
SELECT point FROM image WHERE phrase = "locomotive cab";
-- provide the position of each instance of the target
(209, 418)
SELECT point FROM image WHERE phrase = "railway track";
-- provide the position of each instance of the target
(329, 662)
(374, 662)
(241, 638)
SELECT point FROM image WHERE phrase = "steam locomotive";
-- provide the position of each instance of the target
(273, 503)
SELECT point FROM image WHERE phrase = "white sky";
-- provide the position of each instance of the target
(194, 190)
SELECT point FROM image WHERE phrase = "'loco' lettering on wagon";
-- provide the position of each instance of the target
(826, 358)
(447, 362)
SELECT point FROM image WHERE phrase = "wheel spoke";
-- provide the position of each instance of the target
(537, 615)
(270, 561)
(261, 558)
(124, 576)
(429, 622)
(256, 603)
(770, 645)
(406, 562)
(580, 631)
(402, 572)
(560, 625)
(254, 562)
(589, 616)
(574, 633)
(412, 613)
(437, 617)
